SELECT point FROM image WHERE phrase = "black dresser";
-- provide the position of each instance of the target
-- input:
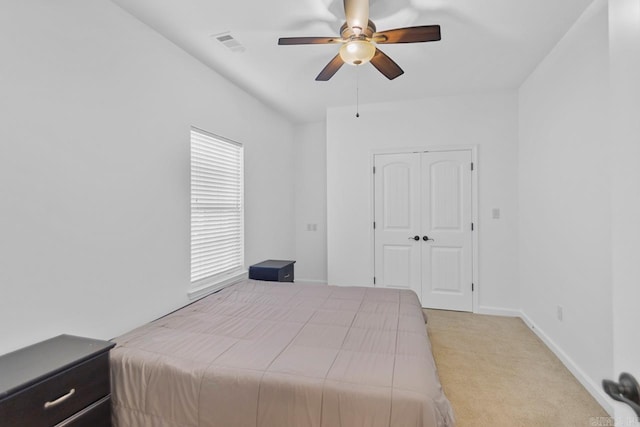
(63, 381)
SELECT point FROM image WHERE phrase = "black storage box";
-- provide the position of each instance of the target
(272, 270)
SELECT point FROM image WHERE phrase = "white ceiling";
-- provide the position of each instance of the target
(486, 45)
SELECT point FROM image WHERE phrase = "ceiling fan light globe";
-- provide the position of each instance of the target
(357, 52)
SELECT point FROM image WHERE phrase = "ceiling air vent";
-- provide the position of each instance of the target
(229, 42)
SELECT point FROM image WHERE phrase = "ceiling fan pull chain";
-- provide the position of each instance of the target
(357, 92)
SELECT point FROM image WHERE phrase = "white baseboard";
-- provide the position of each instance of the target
(498, 311)
(594, 389)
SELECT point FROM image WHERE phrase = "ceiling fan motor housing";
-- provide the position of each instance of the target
(348, 33)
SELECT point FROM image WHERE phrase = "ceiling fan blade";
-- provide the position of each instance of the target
(308, 40)
(424, 33)
(332, 67)
(386, 65)
(357, 14)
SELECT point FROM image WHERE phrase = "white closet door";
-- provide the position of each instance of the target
(397, 217)
(446, 222)
(423, 236)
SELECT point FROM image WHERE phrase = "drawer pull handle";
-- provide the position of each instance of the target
(59, 400)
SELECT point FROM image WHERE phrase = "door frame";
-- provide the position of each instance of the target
(474, 204)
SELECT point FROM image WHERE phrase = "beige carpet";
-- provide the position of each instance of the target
(496, 372)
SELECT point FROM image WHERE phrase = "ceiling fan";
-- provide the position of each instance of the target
(359, 39)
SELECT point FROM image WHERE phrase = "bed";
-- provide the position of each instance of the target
(269, 354)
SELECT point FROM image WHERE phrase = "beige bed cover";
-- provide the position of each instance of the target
(265, 354)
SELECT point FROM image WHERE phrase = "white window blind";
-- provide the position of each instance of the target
(217, 211)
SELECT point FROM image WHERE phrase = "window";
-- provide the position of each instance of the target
(217, 212)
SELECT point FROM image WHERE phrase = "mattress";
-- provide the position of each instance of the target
(266, 354)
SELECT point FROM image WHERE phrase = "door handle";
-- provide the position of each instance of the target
(626, 390)
(426, 239)
(416, 238)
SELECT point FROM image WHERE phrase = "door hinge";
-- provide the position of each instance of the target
(374, 169)
(374, 225)
(374, 280)
(472, 287)
(471, 226)
(471, 165)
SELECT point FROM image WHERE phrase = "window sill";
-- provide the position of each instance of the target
(202, 290)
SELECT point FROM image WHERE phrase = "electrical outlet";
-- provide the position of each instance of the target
(560, 313)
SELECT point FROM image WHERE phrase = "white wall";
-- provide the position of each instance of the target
(310, 172)
(564, 199)
(624, 30)
(486, 120)
(94, 169)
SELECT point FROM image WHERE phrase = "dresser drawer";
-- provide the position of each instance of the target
(96, 415)
(58, 397)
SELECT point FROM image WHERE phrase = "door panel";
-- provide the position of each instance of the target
(397, 265)
(427, 195)
(397, 205)
(446, 207)
(446, 201)
(397, 198)
(445, 270)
